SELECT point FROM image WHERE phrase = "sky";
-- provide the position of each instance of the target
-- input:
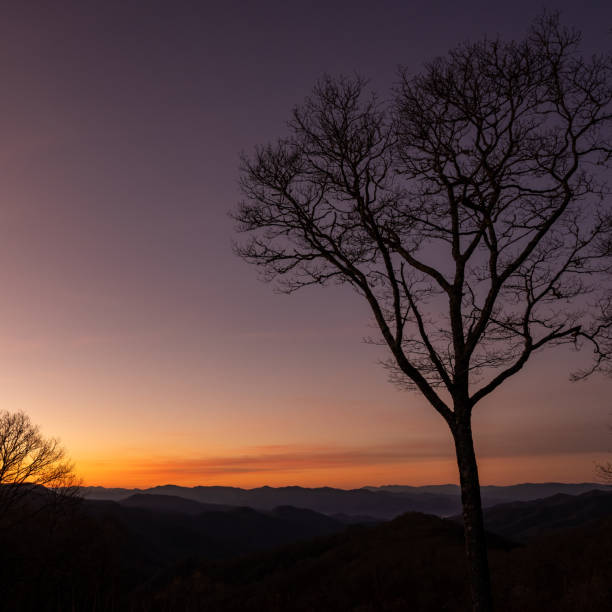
(130, 330)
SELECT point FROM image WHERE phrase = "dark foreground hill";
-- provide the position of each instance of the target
(91, 554)
(161, 554)
(165, 529)
(415, 562)
(385, 567)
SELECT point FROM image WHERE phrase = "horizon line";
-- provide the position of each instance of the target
(446, 484)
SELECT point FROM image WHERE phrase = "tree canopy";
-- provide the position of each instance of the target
(29, 460)
(470, 211)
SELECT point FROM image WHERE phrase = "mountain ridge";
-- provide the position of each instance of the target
(384, 503)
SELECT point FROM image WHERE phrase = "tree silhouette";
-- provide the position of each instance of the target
(28, 461)
(469, 212)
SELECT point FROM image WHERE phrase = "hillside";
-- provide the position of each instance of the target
(155, 552)
(521, 521)
(415, 562)
(171, 528)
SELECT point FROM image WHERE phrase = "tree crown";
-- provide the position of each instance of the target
(28, 460)
(470, 211)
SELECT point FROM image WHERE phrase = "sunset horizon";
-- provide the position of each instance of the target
(263, 262)
(129, 328)
(322, 470)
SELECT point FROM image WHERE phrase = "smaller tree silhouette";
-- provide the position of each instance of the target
(28, 461)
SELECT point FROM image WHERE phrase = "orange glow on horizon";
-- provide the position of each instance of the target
(320, 472)
(131, 331)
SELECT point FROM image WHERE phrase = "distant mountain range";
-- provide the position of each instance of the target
(381, 503)
(494, 494)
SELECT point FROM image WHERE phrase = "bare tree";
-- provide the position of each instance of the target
(29, 461)
(469, 212)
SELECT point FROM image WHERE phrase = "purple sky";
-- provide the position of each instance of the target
(128, 327)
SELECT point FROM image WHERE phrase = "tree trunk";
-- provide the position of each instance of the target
(475, 540)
